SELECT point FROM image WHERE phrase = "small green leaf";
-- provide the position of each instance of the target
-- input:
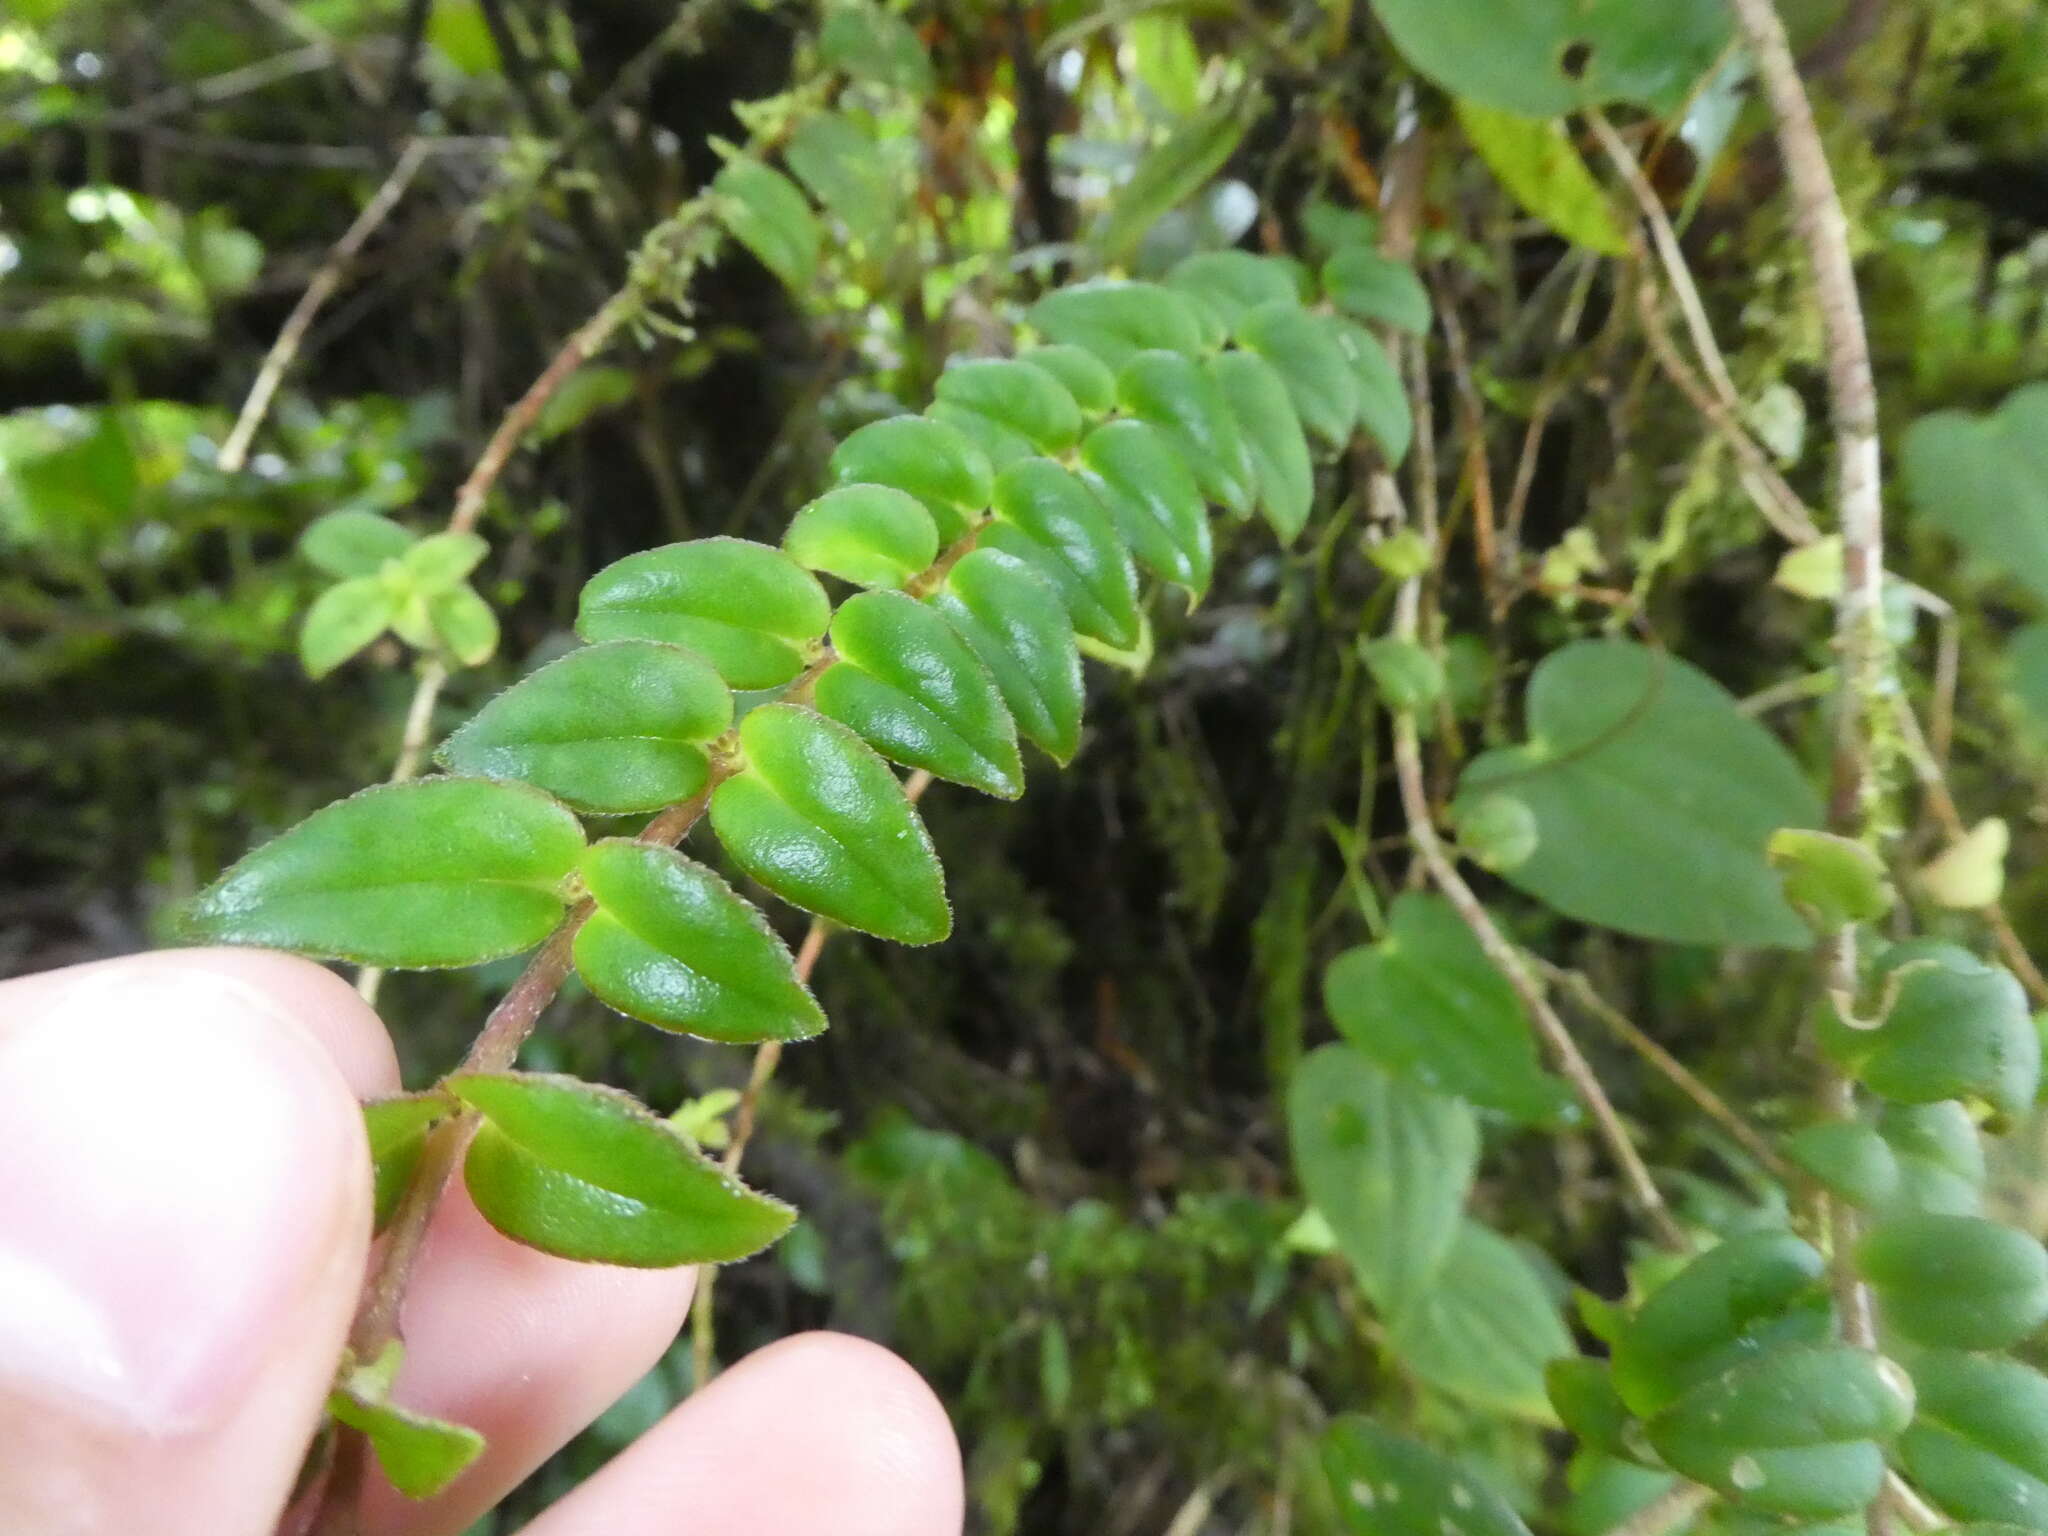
(671, 945)
(1981, 480)
(1166, 60)
(1582, 1396)
(612, 728)
(1385, 1485)
(1020, 395)
(1004, 445)
(344, 619)
(1151, 496)
(1498, 832)
(763, 210)
(1834, 881)
(1940, 1155)
(1978, 1445)
(1795, 1431)
(1234, 282)
(869, 43)
(1311, 362)
(1118, 320)
(1755, 1292)
(870, 535)
(1387, 1163)
(1091, 384)
(1362, 282)
(1850, 1160)
(1181, 398)
(440, 560)
(1383, 408)
(353, 543)
(910, 687)
(1047, 517)
(927, 458)
(1536, 161)
(842, 166)
(1013, 619)
(1426, 1004)
(820, 820)
(1171, 174)
(588, 1173)
(1272, 439)
(746, 608)
(1484, 1328)
(1957, 1282)
(1408, 678)
(463, 625)
(1970, 872)
(420, 1456)
(424, 875)
(397, 1130)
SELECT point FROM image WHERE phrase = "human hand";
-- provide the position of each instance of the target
(184, 1225)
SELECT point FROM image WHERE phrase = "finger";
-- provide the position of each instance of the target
(184, 1213)
(818, 1434)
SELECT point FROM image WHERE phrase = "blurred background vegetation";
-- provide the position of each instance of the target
(1043, 1162)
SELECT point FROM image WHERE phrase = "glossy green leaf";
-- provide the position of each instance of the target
(820, 820)
(927, 458)
(1983, 479)
(440, 560)
(1013, 619)
(1151, 496)
(1083, 374)
(1383, 408)
(1940, 1156)
(1003, 444)
(344, 619)
(1117, 320)
(1484, 1328)
(869, 43)
(1796, 1431)
(1020, 395)
(1047, 516)
(1311, 362)
(746, 608)
(870, 535)
(1544, 58)
(1234, 282)
(1256, 397)
(1583, 1398)
(763, 210)
(1386, 1485)
(1978, 1443)
(423, 875)
(419, 1455)
(1756, 1292)
(842, 166)
(1537, 162)
(1956, 1028)
(671, 945)
(612, 728)
(1655, 797)
(1427, 1005)
(1387, 1163)
(464, 627)
(588, 1173)
(353, 543)
(1850, 1160)
(1183, 399)
(1362, 282)
(1171, 174)
(1957, 1282)
(397, 1131)
(910, 687)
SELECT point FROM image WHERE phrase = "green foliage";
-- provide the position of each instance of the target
(1536, 161)
(1957, 1282)
(397, 1132)
(870, 535)
(1048, 518)
(1978, 1443)
(420, 1455)
(1983, 480)
(1387, 1485)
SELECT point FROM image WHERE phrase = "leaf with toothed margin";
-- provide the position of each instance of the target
(671, 945)
(817, 817)
(1234, 282)
(927, 458)
(910, 687)
(1181, 398)
(1020, 395)
(1003, 444)
(1272, 438)
(589, 1173)
(1117, 320)
(1091, 384)
(1046, 515)
(1136, 473)
(1311, 363)
(870, 535)
(1012, 618)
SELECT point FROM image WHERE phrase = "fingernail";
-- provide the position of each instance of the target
(173, 1162)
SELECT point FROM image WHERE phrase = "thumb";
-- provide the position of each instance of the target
(183, 1225)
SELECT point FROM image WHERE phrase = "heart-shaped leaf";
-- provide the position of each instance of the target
(746, 608)
(927, 458)
(1978, 1443)
(671, 945)
(1362, 282)
(353, 543)
(1484, 1328)
(1180, 397)
(1117, 320)
(430, 874)
(589, 1173)
(763, 210)
(1082, 373)
(612, 728)
(1387, 1163)
(1019, 395)
(1426, 1004)
(1310, 361)
(397, 1130)
(1957, 1282)
(1654, 797)
(1047, 517)
(1233, 282)
(1386, 1485)
(870, 535)
(1272, 438)
(1151, 496)
(910, 687)
(820, 820)
(1012, 618)
(1382, 401)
